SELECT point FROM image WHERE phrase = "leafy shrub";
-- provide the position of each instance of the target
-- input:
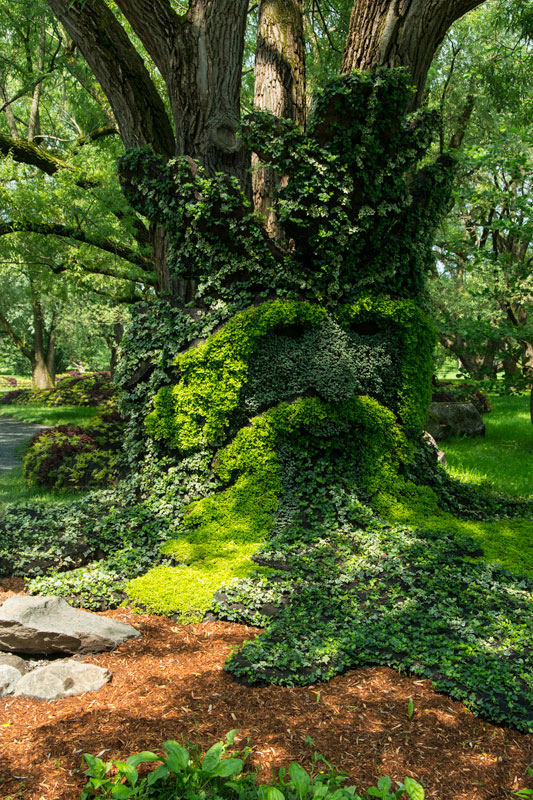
(15, 397)
(219, 774)
(8, 380)
(87, 389)
(462, 393)
(71, 457)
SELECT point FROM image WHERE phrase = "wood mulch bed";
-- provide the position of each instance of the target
(171, 684)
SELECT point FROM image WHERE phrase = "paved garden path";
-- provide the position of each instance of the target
(13, 433)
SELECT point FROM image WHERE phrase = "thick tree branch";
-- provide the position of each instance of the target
(462, 123)
(97, 133)
(138, 108)
(55, 229)
(400, 34)
(28, 153)
(199, 55)
(102, 269)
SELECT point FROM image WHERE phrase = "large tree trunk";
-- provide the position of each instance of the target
(279, 85)
(400, 33)
(199, 56)
(43, 355)
(137, 106)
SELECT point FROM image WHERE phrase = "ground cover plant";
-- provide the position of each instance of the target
(345, 588)
(219, 774)
(72, 389)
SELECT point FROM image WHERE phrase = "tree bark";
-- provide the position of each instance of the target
(279, 85)
(137, 106)
(199, 55)
(400, 33)
(43, 356)
(34, 122)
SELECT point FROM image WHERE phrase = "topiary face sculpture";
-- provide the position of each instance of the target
(294, 340)
(283, 393)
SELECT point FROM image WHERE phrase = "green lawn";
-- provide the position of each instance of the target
(49, 415)
(13, 489)
(502, 460)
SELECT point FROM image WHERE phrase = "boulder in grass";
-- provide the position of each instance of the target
(48, 625)
(452, 419)
(62, 679)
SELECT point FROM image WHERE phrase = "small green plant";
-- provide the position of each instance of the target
(219, 774)
(410, 709)
(525, 793)
(179, 774)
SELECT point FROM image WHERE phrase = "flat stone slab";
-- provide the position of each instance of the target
(61, 679)
(13, 433)
(48, 625)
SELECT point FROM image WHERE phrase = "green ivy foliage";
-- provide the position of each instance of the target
(355, 211)
(351, 590)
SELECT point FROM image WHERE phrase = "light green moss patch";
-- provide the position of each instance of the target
(188, 590)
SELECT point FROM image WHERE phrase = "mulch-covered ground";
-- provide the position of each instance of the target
(171, 683)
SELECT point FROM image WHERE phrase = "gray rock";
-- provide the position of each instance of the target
(7, 659)
(9, 677)
(62, 679)
(47, 625)
(450, 419)
(440, 455)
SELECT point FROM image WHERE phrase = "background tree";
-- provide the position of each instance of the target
(54, 321)
(482, 289)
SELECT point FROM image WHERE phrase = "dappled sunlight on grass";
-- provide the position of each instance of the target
(49, 415)
(507, 541)
(502, 460)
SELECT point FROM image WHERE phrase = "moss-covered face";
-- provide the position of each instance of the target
(350, 386)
